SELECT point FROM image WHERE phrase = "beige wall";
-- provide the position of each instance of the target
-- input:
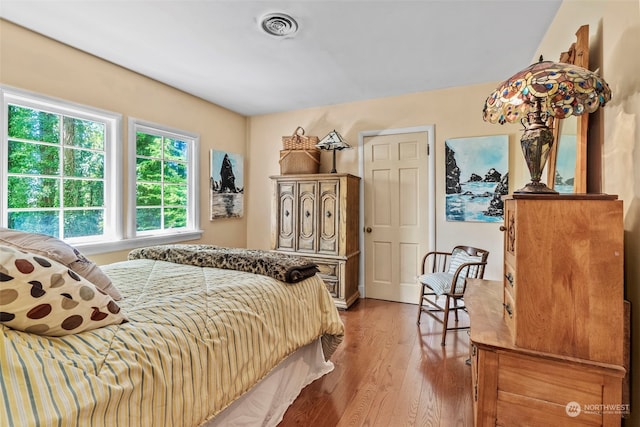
(35, 63)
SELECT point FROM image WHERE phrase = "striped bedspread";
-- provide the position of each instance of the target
(198, 338)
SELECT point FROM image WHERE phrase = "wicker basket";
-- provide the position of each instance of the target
(299, 154)
(299, 161)
(299, 141)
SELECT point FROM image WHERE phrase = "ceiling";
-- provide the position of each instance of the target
(344, 50)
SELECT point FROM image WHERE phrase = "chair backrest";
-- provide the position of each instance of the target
(464, 254)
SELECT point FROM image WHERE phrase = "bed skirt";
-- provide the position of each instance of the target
(266, 403)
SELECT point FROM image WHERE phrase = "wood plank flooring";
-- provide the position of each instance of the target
(390, 372)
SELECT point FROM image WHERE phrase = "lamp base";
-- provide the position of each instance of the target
(536, 187)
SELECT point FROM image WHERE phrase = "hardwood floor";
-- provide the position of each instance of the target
(390, 372)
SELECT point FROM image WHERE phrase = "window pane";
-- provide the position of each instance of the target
(44, 222)
(175, 172)
(83, 223)
(83, 133)
(148, 219)
(34, 159)
(175, 149)
(175, 195)
(148, 170)
(148, 194)
(83, 163)
(33, 192)
(148, 145)
(175, 217)
(83, 193)
(35, 125)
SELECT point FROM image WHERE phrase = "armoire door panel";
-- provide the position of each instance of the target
(307, 236)
(328, 220)
(286, 225)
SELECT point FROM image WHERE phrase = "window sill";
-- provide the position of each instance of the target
(136, 242)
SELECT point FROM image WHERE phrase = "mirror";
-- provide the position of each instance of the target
(570, 134)
(565, 164)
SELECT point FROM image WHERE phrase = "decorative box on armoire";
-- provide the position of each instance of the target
(316, 216)
(563, 274)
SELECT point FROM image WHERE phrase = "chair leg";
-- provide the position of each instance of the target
(455, 311)
(445, 322)
(420, 305)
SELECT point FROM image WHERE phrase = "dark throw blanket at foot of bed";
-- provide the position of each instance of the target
(286, 268)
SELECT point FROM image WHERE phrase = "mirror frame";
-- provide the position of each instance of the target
(578, 54)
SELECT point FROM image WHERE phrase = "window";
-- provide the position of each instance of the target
(164, 191)
(58, 168)
(61, 174)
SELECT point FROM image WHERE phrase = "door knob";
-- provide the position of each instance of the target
(368, 230)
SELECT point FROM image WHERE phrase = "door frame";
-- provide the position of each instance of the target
(431, 185)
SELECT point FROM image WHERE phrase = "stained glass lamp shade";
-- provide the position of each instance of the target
(537, 94)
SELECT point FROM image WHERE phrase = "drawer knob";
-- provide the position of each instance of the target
(307, 214)
(328, 214)
(503, 228)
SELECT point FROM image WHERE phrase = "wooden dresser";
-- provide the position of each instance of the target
(547, 341)
(316, 216)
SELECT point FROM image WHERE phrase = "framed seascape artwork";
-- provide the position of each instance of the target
(477, 177)
(226, 185)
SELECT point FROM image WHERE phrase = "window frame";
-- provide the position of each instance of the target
(113, 160)
(193, 188)
(119, 232)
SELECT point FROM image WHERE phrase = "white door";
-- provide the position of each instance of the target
(397, 200)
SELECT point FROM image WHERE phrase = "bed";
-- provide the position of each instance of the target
(198, 344)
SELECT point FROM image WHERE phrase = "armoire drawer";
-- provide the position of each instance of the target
(329, 271)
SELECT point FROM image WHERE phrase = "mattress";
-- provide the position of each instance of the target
(197, 339)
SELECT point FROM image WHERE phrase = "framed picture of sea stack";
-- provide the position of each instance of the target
(477, 177)
(226, 185)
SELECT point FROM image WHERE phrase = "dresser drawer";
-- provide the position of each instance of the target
(509, 311)
(510, 279)
(539, 390)
(329, 271)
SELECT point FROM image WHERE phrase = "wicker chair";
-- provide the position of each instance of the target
(445, 274)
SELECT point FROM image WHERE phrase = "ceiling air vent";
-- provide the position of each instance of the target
(279, 24)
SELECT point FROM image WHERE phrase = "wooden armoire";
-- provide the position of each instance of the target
(547, 342)
(316, 216)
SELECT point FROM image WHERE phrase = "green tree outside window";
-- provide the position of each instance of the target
(55, 173)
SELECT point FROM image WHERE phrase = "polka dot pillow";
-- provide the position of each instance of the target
(42, 296)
